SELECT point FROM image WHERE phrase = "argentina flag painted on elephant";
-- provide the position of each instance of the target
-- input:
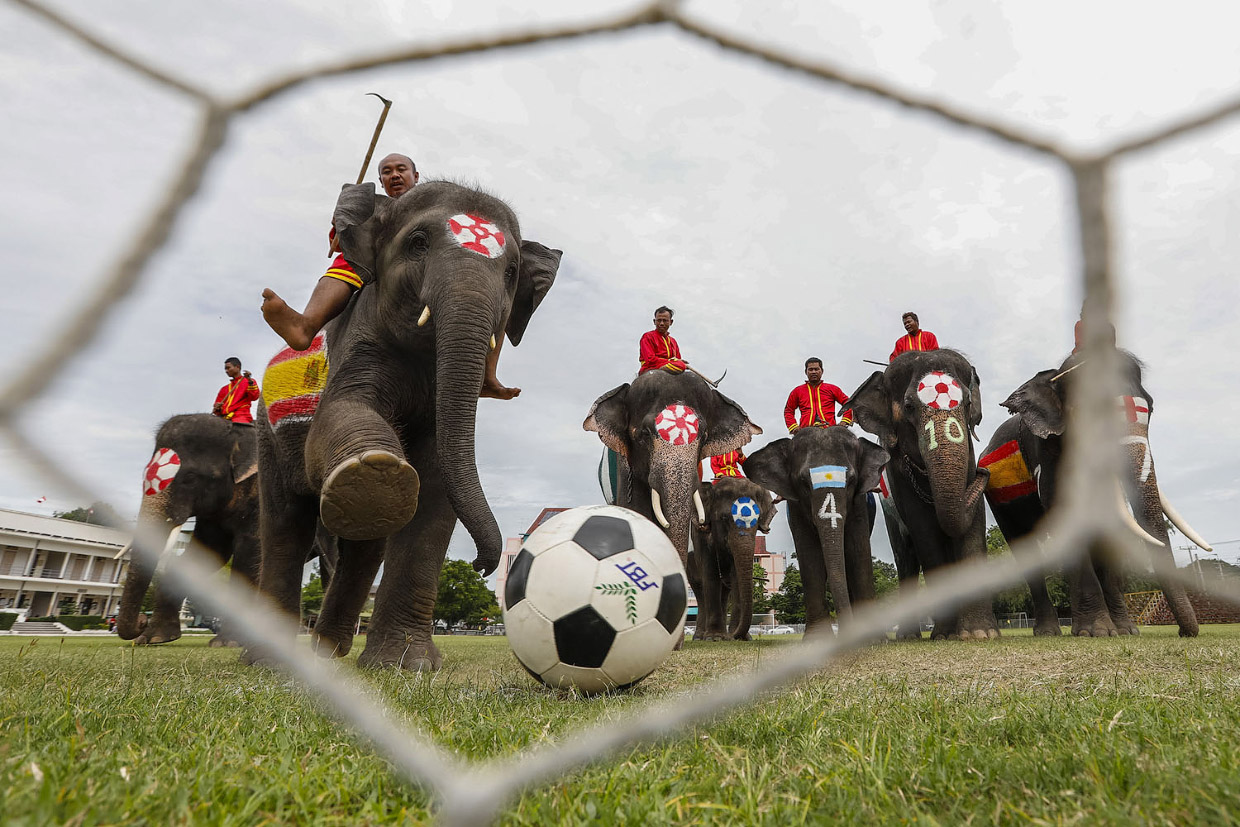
(828, 476)
(608, 475)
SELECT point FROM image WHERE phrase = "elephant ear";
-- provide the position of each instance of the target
(608, 418)
(771, 467)
(354, 221)
(871, 457)
(874, 409)
(729, 429)
(1039, 405)
(244, 456)
(975, 399)
(539, 264)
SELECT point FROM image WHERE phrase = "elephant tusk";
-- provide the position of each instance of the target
(1129, 520)
(492, 341)
(425, 317)
(121, 553)
(172, 538)
(1180, 523)
(701, 509)
(658, 509)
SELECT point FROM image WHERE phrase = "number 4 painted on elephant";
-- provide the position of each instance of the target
(828, 512)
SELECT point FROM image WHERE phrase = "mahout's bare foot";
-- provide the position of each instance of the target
(290, 325)
(492, 389)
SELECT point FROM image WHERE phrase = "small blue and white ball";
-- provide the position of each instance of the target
(595, 599)
(745, 512)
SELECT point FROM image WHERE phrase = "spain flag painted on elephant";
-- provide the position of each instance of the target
(294, 382)
(1009, 475)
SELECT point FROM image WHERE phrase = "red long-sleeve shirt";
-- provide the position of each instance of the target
(921, 340)
(728, 465)
(234, 399)
(816, 406)
(659, 351)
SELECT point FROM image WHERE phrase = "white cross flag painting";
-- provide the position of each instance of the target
(828, 476)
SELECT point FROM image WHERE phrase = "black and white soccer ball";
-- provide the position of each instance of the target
(595, 599)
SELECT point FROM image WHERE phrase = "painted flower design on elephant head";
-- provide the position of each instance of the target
(940, 391)
(677, 424)
(160, 471)
(477, 235)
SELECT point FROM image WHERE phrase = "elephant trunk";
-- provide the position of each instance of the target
(1148, 511)
(955, 484)
(673, 482)
(742, 595)
(462, 344)
(154, 521)
(830, 522)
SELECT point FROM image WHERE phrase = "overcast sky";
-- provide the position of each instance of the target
(780, 217)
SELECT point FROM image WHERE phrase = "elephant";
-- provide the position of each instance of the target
(736, 510)
(1023, 459)
(924, 408)
(203, 467)
(663, 425)
(374, 431)
(825, 475)
(901, 542)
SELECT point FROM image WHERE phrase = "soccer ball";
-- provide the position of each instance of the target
(940, 391)
(745, 512)
(595, 599)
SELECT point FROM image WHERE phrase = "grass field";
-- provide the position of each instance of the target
(1022, 730)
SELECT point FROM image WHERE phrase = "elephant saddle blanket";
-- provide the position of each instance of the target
(294, 382)
(1009, 475)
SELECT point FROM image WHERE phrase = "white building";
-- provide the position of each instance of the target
(43, 560)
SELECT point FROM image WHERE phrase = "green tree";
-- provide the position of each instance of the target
(761, 602)
(312, 595)
(66, 606)
(886, 579)
(996, 543)
(97, 513)
(463, 595)
(789, 601)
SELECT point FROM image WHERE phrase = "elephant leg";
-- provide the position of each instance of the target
(1090, 616)
(286, 529)
(400, 629)
(165, 623)
(246, 558)
(813, 571)
(976, 620)
(709, 593)
(367, 490)
(346, 596)
(1113, 593)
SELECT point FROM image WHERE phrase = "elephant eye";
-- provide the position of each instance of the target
(510, 275)
(417, 242)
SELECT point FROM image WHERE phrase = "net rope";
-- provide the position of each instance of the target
(474, 793)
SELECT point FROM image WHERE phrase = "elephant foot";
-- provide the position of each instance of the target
(154, 635)
(742, 636)
(1047, 629)
(1188, 631)
(1094, 627)
(977, 634)
(1125, 627)
(221, 642)
(331, 646)
(404, 654)
(369, 496)
(903, 633)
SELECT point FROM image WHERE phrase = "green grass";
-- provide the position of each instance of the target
(1022, 730)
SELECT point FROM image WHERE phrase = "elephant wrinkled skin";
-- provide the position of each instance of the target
(393, 436)
(203, 467)
(1026, 450)
(924, 408)
(829, 517)
(724, 549)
